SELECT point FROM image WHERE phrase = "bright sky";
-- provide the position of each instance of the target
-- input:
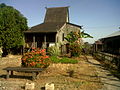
(99, 18)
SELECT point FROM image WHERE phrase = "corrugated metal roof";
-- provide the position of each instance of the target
(113, 34)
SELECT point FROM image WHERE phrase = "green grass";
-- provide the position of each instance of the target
(65, 60)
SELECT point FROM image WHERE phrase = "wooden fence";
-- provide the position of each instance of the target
(112, 59)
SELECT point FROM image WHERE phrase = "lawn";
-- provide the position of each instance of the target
(64, 60)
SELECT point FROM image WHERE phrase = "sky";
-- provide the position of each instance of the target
(99, 18)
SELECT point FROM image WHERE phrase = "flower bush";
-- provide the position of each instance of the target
(36, 58)
(76, 43)
(75, 49)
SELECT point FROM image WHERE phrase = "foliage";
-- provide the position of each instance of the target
(54, 51)
(76, 36)
(36, 58)
(1, 51)
(72, 37)
(87, 48)
(12, 25)
(75, 41)
(85, 35)
(68, 60)
(75, 49)
(54, 59)
(65, 60)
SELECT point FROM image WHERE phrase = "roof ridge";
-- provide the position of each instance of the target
(57, 7)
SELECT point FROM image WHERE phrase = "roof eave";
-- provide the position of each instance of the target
(75, 25)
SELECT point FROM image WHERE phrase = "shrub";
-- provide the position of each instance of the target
(75, 50)
(36, 58)
(65, 60)
(68, 60)
(54, 59)
(54, 51)
(75, 41)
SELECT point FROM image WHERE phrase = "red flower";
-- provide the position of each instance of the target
(33, 48)
(35, 58)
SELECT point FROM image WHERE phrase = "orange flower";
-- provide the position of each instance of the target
(33, 48)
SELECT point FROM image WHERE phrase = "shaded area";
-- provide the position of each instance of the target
(108, 79)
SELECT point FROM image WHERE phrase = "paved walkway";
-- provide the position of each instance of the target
(110, 82)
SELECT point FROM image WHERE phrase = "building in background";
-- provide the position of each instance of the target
(52, 31)
(111, 43)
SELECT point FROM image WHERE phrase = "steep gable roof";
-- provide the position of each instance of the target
(55, 18)
(57, 14)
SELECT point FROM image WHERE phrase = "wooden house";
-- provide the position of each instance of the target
(52, 31)
(111, 43)
(98, 46)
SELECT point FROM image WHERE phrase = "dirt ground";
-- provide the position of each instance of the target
(81, 76)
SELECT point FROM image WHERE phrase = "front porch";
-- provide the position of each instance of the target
(39, 40)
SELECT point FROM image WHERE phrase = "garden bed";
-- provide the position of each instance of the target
(84, 76)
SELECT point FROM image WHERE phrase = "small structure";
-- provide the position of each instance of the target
(98, 46)
(30, 86)
(52, 31)
(49, 86)
(111, 43)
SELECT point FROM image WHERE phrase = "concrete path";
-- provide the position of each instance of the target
(110, 82)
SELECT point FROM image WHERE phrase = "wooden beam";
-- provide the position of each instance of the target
(34, 41)
(45, 41)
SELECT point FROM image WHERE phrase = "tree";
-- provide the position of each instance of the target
(76, 36)
(75, 41)
(12, 25)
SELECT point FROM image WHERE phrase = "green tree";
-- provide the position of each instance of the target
(75, 41)
(12, 25)
(76, 36)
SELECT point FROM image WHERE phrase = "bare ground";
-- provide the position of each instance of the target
(84, 76)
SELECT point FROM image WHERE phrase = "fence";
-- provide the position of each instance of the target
(112, 59)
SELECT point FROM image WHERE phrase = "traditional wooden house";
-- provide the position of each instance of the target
(97, 46)
(111, 43)
(52, 31)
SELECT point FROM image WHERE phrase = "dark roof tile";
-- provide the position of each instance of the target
(45, 27)
(57, 14)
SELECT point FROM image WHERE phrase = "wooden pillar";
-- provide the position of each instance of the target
(34, 41)
(102, 48)
(56, 38)
(33, 75)
(23, 48)
(7, 76)
(95, 47)
(45, 46)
